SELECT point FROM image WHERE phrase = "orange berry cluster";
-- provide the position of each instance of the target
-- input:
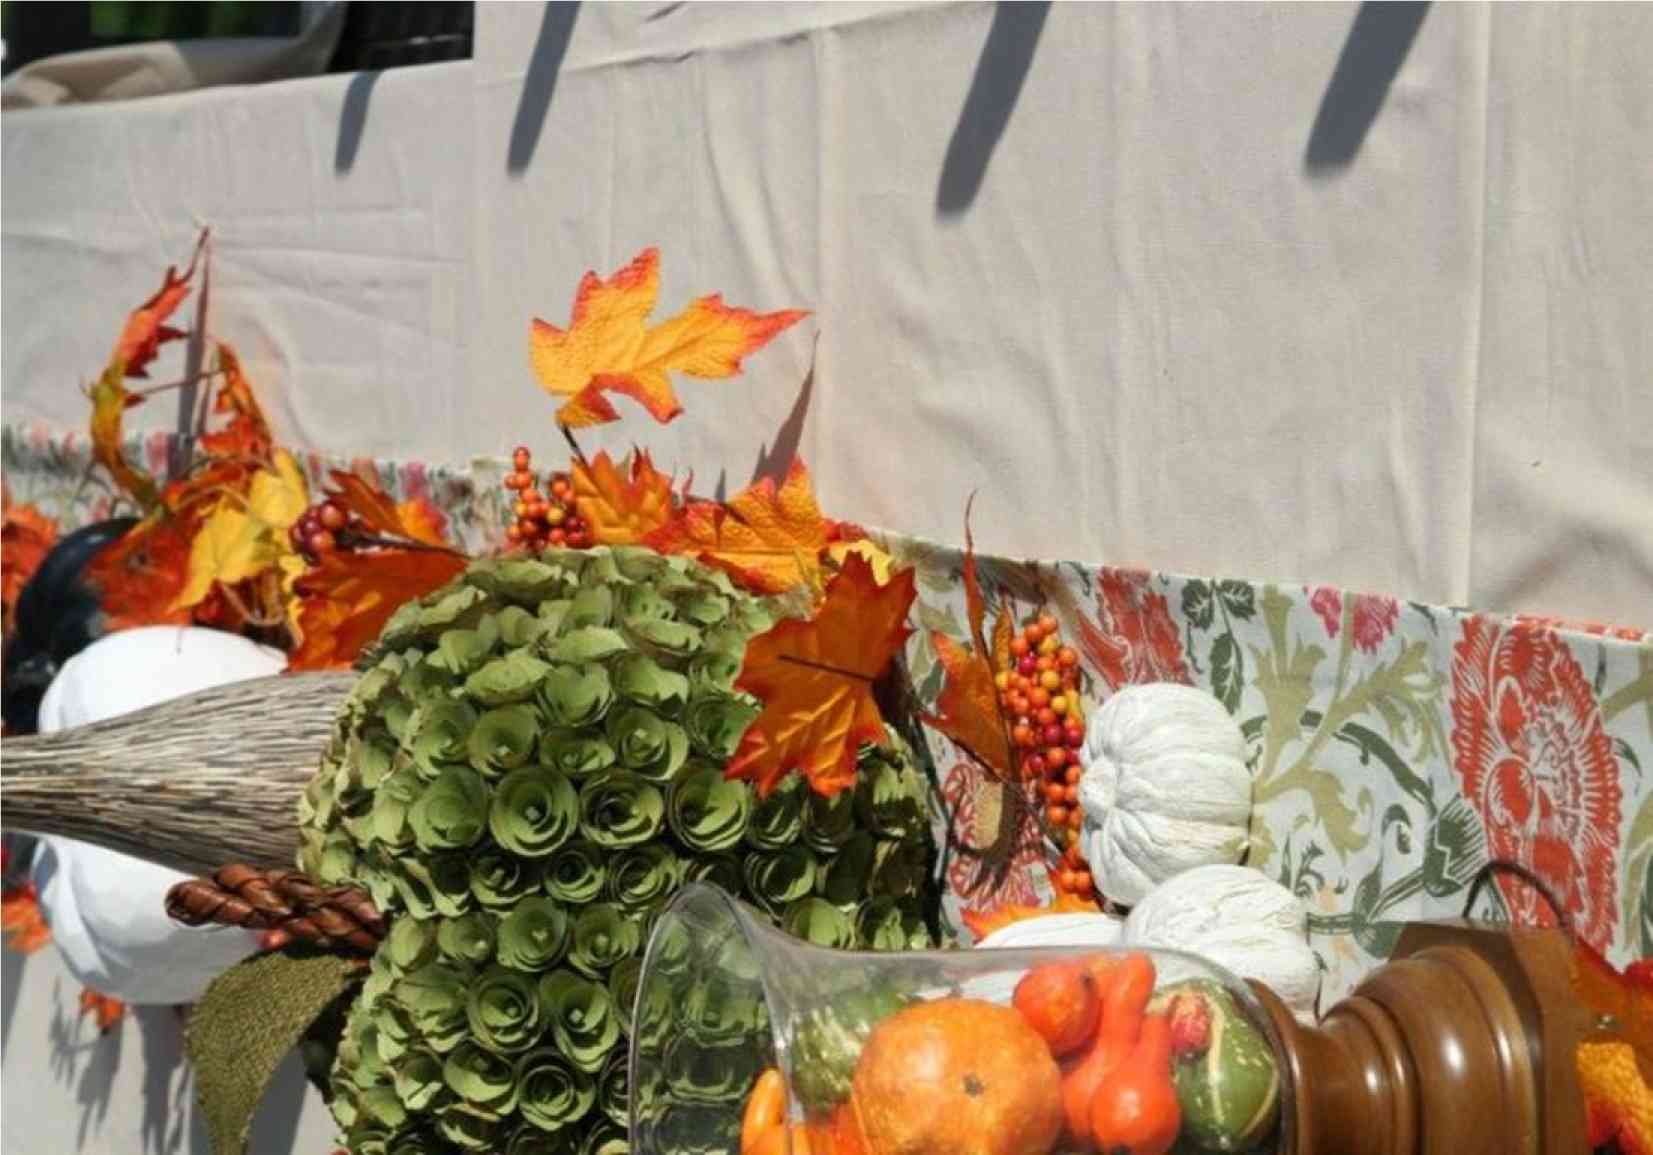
(543, 519)
(1040, 694)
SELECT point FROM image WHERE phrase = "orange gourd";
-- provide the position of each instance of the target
(765, 1113)
(1059, 1000)
(1136, 1109)
(957, 1076)
(1126, 984)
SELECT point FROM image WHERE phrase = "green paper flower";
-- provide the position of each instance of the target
(583, 1018)
(575, 874)
(623, 982)
(511, 678)
(715, 723)
(382, 1106)
(388, 818)
(818, 921)
(721, 870)
(499, 879)
(481, 1078)
(642, 876)
(417, 1077)
(434, 998)
(414, 1143)
(551, 1094)
(370, 760)
(604, 1139)
(714, 670)
(720, 1010)
(393, 1028)
(409, 945)
(710, 1074)
(664, 637)
(421, 681)
(576, 696)
(460, 651)
(503, 1009)
(899, 869)
(603, 935)
(829, 822)
(847, 878)
(702, 607)
(528, 1139)
(781, 878)
(533, 936)
(653, 1018)
(592, 606)
(706, 811)
(534, 811)
(640, 679)
(438, 734)
(525, 581)
(466, 939)
(584, 644)
(503, 739)
(673, 950)
(644, 602)
(611, 1089)
(619, 808)
(890, 794)
(885, 923)
(469, 1127)
(574, 753)
(440, 884)
(452, 812)
(694, 1130)
(778, 820)
(518, 627)
(646, 743)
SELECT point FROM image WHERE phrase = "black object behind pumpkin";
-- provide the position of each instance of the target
(58, 615)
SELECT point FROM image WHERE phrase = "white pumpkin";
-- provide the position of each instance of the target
(1240, 919)
(107, 910)
(1165, 787)
(1086, 930)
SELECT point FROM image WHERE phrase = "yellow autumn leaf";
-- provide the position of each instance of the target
(241, 538)
(868, 552)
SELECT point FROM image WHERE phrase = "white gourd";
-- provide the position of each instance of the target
(1240, 919)
(1165, 788)
(1088, 930)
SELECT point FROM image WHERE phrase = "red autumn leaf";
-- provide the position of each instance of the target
(247, 434)
(142, 574)
(984, 922)
(346, 599)
(146, 327)
(609, 346)
(106, 1010)
(26, 537)
(21, 923)
(967, 710)
(767, 538)
(416, 520)
(815, 681)
(622, 504)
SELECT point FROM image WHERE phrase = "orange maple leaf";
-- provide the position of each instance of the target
(26, 537)
(415, 519)
(608, 346)
(146, 328)
(106, 1010)
(142, 574)
(248, 433)
(815, 678)
(1624, 996)
(622, 504)
(347, 598)
(967, 709)
(767, 538)
(21, 923)
(110, 401)
(984, 922)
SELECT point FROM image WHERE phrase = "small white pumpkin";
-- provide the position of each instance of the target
(1240, 919)
(1165, 788)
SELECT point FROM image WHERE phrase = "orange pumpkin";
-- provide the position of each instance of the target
(957, 1077)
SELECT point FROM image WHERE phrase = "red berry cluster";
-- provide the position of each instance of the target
(543, 519)
(323, 528)
(1040, 693)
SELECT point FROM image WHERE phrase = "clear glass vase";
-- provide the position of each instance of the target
(962, 1052)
